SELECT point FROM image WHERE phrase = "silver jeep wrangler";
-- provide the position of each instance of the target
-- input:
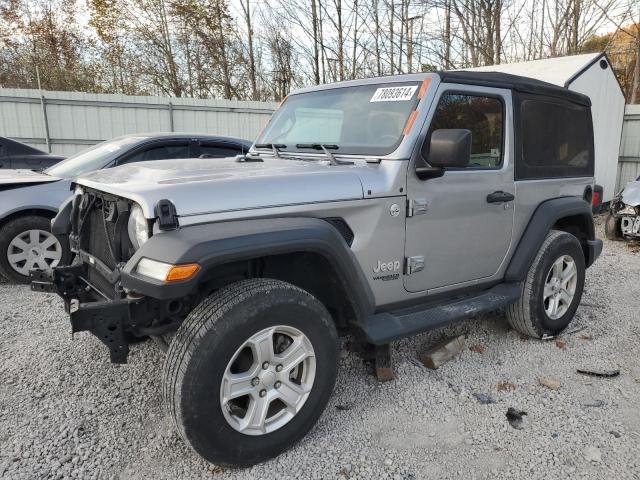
(382, 207)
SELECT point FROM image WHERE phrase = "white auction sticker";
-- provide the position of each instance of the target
(394, 94)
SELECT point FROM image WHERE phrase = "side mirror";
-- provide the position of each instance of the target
(450, 148)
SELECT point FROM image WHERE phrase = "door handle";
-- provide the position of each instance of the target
(500, 197)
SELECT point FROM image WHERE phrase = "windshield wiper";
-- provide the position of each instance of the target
(325, 148)
(273, 146)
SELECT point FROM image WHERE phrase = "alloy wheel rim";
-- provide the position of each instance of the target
(33, 249)
(560, 287)
(268, 380)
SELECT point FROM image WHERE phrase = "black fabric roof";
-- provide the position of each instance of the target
(513, 82)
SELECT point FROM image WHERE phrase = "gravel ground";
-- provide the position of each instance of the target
(66, 412)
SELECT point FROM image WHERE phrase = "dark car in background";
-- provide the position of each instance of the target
(29, 200)
(15, 155)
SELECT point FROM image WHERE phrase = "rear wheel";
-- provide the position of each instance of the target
(553, 288)
(250, 371)
(27, 243)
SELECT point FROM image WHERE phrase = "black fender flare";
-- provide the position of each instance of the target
(545, 216)
(215, 244)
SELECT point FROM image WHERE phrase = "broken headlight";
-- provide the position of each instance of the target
(138, 227)
(627, 210)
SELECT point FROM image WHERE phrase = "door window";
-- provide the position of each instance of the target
(210, 150)
(482, 115)
(159, 152)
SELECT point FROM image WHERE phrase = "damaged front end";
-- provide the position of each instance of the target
(625, 211)
(92, 289)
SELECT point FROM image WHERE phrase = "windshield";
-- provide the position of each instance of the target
(365, 119)
(93, 158)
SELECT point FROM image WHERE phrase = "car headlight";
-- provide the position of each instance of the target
(138, 227)
(627, 210)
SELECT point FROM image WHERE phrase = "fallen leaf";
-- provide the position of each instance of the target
(585, 337)
(549, 383)
(561, 345)
(505, 386)
(477, 348)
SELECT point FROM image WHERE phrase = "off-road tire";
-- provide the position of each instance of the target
(21, 224)
(528, 315)
(613, 228)
(203, 347)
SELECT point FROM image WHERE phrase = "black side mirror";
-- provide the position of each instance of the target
(450, 148)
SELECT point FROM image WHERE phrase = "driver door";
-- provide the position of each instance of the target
(456, 230)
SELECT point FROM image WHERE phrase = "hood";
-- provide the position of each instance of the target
(631, 194)
(197, 186)
(24, 177)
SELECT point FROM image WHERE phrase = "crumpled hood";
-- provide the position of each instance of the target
(631, 194)
(25, 177)
(197, 186)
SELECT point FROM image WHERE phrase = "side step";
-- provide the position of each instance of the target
(385, 327)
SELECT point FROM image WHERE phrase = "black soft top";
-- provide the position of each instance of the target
(514, 82)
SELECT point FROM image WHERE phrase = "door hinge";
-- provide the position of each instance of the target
(416, 206)
(413, 264)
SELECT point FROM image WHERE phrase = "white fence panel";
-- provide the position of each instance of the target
(71, 121)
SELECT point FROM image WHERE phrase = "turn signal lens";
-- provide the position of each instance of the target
(182, 272)
(166, 272)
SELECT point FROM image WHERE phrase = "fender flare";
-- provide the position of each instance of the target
(542, 220)
(214, 244)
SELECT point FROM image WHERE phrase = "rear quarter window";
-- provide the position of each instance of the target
(556, 140)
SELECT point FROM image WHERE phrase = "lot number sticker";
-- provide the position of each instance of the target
(394, 94)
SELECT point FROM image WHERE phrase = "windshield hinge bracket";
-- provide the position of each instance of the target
(416, 206)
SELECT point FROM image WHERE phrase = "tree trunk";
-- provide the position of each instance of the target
(447, 34)
(252, 60)
(316, 54)
(635, 84)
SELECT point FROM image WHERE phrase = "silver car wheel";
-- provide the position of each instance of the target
(268, 380)
(560, 287)
(33, 249)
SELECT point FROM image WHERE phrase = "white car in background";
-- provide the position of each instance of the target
(29, 199)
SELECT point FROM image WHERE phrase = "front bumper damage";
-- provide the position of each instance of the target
(115, 322)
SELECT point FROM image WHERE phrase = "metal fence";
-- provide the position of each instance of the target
(629, 160)
(66, 122)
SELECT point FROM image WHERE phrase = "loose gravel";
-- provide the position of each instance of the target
(66, 412)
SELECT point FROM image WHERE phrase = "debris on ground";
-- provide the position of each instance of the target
(477, 348)
(549, 383)
(584, 336)
(484, 399)
(615, 433)
(600, 373)
(436, 356)
(505, 386)
(579, 329)
(384, 363)
(347, 406)
(561, 345)
(515, 418)
(594, 403)
(593, 454)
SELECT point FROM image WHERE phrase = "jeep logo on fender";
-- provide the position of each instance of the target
(387, 266)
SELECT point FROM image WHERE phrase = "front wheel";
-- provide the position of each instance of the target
(553, 288)
(250, 371)
(27, 243)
